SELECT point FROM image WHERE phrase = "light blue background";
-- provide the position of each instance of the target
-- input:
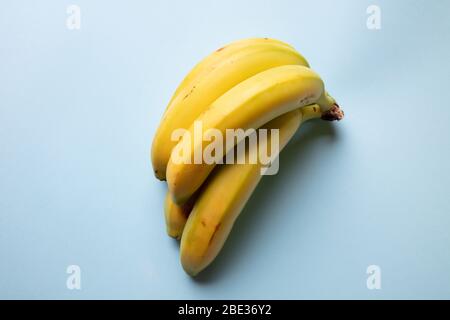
(78, 110)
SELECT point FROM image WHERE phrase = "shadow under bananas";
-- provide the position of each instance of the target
(296, 152)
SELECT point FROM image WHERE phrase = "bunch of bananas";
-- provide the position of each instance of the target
(251, 83)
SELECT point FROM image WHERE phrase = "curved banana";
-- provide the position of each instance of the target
(225, 194)
(212, 60)
(250, 104)
(211, 79)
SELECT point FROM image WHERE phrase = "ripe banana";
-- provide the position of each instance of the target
(209, 80)
(224, 195)
(250, 104)
(211, 61)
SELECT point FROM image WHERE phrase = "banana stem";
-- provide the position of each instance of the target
(334, 113)
(313, 111)
(330, 109)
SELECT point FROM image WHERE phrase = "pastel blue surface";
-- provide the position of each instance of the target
(78, 110)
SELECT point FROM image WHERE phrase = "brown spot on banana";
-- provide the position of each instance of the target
(189, 93)
(214, 233)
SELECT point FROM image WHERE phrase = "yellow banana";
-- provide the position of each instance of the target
(211, 79)
(250, 104)
(212, 60)
(225, 194)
